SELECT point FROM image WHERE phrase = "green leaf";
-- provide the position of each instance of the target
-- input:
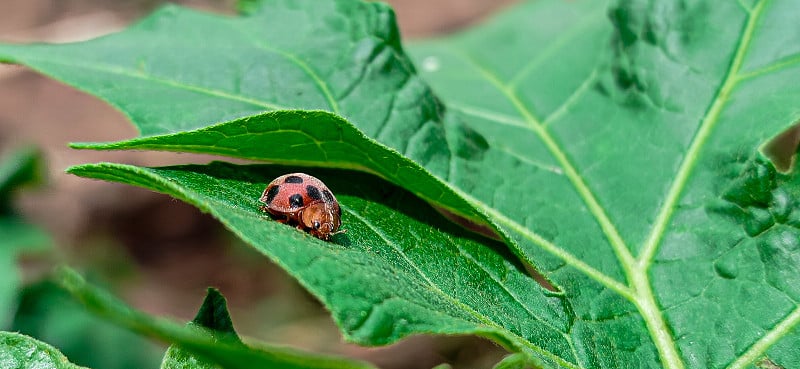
(180, 69)
(358, 71)
(400, 269)
(19, 168)
(48, 313)
(513, 361)
(649, 202)
(225, 350)
(305, 138)
(214, 316)
(22, 352)
(18, 237)
(618, 147)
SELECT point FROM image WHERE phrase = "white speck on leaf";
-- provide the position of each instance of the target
(430, 64)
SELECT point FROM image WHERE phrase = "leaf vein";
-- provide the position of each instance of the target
(784, 63)
(618, 245)
(168, 82)
(319, 82)
(489, 115)
(557, 44)
(569, 102)
(709, 121)
(434, 288)
(758, 349)
(546, 245)
(504, 287)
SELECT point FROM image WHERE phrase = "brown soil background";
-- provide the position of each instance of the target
(162, 253)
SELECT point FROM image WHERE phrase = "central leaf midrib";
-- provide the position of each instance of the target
(636, 269)
(711, 117)
(641, 293)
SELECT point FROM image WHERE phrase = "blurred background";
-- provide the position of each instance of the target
(157, 253)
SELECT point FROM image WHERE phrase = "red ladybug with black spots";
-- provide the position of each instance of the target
(302, 200)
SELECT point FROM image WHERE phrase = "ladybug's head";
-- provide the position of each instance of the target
(322, 219)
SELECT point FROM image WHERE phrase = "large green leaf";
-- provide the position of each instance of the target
(274, 58)
(22, 352)
(622, 157)
(180, 69)
(642, 161)
(400, 269)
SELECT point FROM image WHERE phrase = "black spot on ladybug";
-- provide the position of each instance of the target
(313, 192)
(272, 193)
(293, 179)
(327, 196)
(296, 200)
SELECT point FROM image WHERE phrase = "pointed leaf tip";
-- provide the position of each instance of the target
(214, 315)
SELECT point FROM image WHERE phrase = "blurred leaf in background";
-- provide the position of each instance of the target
(18, 351)
(18, 168)
(50, 314)
(207, 341)
(42, 310)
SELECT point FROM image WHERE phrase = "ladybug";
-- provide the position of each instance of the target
(302, 200)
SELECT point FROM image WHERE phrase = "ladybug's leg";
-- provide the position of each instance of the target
(298, 216)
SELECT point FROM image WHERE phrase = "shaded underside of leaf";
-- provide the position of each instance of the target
(307, 138)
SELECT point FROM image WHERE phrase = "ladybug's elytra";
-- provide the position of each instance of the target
(301, 199)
